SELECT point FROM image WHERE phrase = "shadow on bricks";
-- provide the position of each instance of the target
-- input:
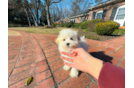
(100, 55)
(80, 72)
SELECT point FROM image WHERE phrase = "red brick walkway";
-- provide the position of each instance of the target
(38, 55)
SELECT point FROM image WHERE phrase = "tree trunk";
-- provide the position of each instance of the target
(35, 22)
(37, 16)
(48, 15)
(27, 17)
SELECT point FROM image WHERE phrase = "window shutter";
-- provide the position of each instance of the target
(113, 13)
(104, 14)
(94, 13)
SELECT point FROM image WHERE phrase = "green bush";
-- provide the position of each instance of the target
(62, 25)
(106, 28)
(70, 24)
(77, 25)
(84, 24)
(55, 24)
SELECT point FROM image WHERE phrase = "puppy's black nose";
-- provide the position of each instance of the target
(68, 44)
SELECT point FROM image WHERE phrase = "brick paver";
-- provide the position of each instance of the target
(38, 55)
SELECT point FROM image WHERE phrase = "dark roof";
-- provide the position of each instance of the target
(81, 13)
(84, 12)
(105, 3)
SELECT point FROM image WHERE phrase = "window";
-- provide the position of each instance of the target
(120, 14)
(82, 18)
(72, 20)
(99, 15)
(67, 21)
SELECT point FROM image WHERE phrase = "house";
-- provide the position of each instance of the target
(59, 21)
(65, 20)
(109, 10)
(80, 17)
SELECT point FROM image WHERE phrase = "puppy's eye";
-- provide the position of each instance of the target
(71, 38)
(63, 39)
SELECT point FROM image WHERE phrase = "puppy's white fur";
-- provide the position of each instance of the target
(68, 40)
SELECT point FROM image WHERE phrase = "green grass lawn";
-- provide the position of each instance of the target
(88, 34)
(119, 32)
(41, 30)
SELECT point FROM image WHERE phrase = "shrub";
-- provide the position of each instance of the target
(84, 24)
(62, 25)
(70, 24)
(106, 28)
(77, 25)
(55, 24)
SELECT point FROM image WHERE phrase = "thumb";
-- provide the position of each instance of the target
(73, 52)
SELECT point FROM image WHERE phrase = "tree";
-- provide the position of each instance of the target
(43, 19)
(17, 13)
(26, 11)
(47, 4)
(98, 1)
(36, 6)
(26, 4)
(79, 6)
(75, 8)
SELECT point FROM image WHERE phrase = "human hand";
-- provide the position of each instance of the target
(80, 59)
(84, 62)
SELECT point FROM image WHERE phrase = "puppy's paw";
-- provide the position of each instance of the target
(74, 72)
(66, 68)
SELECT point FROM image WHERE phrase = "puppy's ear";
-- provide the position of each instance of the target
(57, 40)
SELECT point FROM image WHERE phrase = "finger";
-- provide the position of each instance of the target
(67, 54)
(64, 53)
(73, 53)
(71, 65)
(67, 59)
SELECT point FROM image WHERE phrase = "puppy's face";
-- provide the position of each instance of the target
(67, 39)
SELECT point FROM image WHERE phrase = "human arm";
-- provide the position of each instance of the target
(108, 75)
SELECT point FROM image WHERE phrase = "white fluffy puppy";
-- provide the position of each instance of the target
(68, 40)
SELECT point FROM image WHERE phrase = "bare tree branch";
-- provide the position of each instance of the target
(55, 2)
